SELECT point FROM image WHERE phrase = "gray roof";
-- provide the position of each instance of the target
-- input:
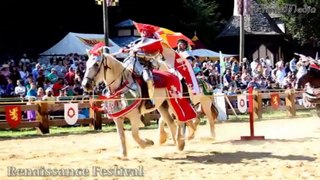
(254, 23)
(126, 23)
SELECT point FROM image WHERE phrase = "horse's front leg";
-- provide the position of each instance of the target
(212, 113)
(180, 136)
(162, 133)
(134, 118)
(120, 130)
(191, 129)
(166, 118)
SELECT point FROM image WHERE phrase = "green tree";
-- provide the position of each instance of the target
(301, 18)
(200, 16)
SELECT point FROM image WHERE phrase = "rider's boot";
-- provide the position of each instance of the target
(149, 104)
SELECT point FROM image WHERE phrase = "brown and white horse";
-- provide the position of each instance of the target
(123, 87)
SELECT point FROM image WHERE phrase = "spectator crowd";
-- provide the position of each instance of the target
(62, 76)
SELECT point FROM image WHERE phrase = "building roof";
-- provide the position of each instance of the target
(124, 24)
(258, 23)
(124, 40)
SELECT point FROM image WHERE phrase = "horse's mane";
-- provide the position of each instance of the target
(116, 65)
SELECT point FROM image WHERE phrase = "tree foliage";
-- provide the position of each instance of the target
(201, 16)
(301, 18)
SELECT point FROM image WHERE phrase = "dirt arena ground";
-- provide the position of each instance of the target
(291, 151)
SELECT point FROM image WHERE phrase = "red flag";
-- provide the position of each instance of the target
(149, 27)
(165, 34)
(275, 100)
(13, 115)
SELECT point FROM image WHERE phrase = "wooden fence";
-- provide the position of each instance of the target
(261, 102)
(47, 117)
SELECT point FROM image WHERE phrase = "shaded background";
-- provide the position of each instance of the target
(34, 26)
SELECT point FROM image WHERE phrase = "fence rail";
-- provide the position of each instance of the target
(46, 116)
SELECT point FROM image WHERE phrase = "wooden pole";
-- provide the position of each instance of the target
(242, 36)
(44, 120)
(251, 115)
(290, 103)
(106, 25)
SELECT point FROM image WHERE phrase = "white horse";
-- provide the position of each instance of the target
(118, 79)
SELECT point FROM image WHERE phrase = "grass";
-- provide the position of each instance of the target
(63, 131)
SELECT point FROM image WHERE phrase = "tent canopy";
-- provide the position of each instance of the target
(206, 53)
(78, 43)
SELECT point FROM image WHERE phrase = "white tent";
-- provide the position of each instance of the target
(209, 53)
(79, 43)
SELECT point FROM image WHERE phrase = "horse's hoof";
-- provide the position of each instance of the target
(208, 139)
(163, 138)
(181, 145)
(123, 158)
(149, 142)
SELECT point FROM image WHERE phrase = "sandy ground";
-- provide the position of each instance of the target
(291, 151)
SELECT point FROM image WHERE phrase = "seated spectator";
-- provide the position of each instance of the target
(20, 90)
(15, 74)
(49, 97)
(47, 85)
(214, 80)
(78, 89)
(253, 83)
(35, 71)
(61, 70)
(41, 78)
(227, 78)
(70, 76)
(24, 73)
(57, 86)
(32, 92)
(52, 76)
(29, 81)
(40, 93)
(32, 96)
(63, 95)
(9, 91)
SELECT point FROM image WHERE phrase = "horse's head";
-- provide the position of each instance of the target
(95, 68)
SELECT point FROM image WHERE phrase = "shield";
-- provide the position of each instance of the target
(242, 103)
(13, 115)
(275, 100)
(71, 113)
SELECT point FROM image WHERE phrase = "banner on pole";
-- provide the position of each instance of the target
(275, 100)
(71, 113)
(242, 103)
(13, 115)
